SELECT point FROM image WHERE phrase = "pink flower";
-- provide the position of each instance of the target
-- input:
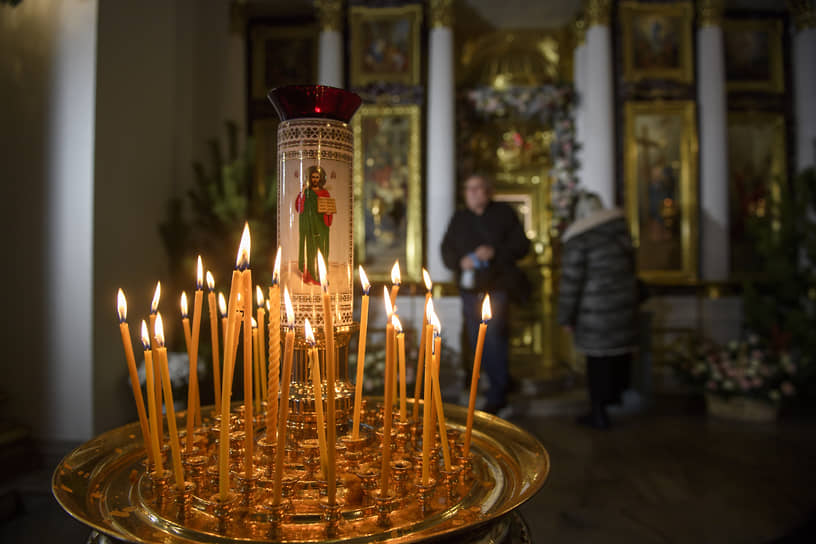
(787, 388)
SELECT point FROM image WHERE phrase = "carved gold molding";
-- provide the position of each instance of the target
(709, 13)
(330, 15)
(441, 13)
(598, 12)
(580, 28)
(804, 13)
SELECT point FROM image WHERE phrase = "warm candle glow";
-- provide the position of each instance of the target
(259, 298)
(184, 312)
(429, 311)
(145, 336)
(154, 306)
(222, 305)
(395, 273)
(276, 271)
(254, 323)
(427, 278)
(121, 306)
(396, 323)
(436, 324)
(290, 312)
(210, 281)
(321, 271)
(242, 261)
(487, 314)
(307, 332)
(199, 274)
(364, 283)
(268, 307)
(159, 332)
(389, 310)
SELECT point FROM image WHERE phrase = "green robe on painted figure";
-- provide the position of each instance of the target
(313, 233)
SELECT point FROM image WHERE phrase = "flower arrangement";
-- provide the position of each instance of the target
(550, 105)
(745, 368)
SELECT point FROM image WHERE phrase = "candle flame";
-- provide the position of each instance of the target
(429, 311)
(184, 312)
(259, 295)
(268, 307)
(242, 261)
(121, 305)
(210, 281)
(486, 312)
(222, 305)
(321, 270)
(145, 336)
(307, 331)
(154, 306)
(276, 271)
(396, 323)
(389, 310)
(290, 312)
(254, 323)
(199, 274)
(427, 278)
(436, 324)
(159, 332)
(364, 281)
(395, 273)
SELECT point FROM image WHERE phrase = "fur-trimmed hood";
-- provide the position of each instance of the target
(590, 221)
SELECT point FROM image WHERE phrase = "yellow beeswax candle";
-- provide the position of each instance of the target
(474, 380)
(273, 373)
(283, 409)
(422, 340)
(124, 330)
(361, 350)
(331, 428)
(437, 392)
(260, 314)
(216, 364)
(175, 447)
(153, 414)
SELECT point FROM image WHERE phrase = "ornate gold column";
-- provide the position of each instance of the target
(441, 173)
(711, 99)
(330, 53)
(599, 135)
(804, 81)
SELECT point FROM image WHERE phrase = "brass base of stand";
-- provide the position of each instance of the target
(104, 485)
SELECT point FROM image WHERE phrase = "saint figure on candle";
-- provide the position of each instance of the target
(316, 209)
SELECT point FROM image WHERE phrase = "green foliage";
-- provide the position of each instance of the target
(226, 193)
(778, 301)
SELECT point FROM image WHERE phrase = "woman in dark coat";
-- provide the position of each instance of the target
(597, 300)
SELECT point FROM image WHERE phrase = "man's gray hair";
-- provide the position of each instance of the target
(586, 204)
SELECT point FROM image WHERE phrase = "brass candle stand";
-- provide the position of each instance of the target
(106, 484)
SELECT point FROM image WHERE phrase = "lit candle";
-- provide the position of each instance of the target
(422, 340)
(153, 414)
(474, 380)
(222, 313)
(317, 391)
(395, 282)
(427, 401)
(161, 360)
(388, 401)
(124, 329)
(273, 374)
(211, 304)
(229, 366)
(401, 353)
(246, 306)
(154, 309)
(256, 364)
(361, 350)
(283, 410)
(188, 342)
(437, 392)
(331, 428)
(197, 303)
(260, 314)
(185, 322)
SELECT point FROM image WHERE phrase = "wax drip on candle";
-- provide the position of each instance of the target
(154, 305)
(121, 305)
(210, 281)
(184, 313)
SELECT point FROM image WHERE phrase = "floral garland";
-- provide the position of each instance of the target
(550, 105)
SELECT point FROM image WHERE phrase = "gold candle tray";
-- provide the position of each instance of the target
(104, 484)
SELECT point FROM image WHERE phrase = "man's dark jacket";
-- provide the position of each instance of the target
(597, 293)
(499, 227)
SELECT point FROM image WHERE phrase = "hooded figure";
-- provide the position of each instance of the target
(597, 300)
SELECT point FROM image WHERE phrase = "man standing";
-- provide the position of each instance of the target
(316, 208)
(482, 244)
